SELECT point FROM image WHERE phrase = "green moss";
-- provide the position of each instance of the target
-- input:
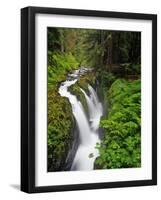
(83, 81)
(75, 89)
(60, 117)
(58, 66)
(60, 124)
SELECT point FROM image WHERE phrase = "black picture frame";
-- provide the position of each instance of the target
(28, 98)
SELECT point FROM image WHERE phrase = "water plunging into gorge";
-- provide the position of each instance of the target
(88, 128)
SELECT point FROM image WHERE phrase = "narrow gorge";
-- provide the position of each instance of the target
(87, 123)
(94, 99)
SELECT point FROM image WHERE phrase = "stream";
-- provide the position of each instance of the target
(87, 124)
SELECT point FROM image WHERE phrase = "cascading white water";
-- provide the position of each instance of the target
(78, 112)
(88, 132)
(94, 107)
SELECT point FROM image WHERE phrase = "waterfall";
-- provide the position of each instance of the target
(94, 107)
(78, 112)
(88, 128)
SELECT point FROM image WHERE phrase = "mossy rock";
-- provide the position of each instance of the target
(83, 81)
(90, 155)
(60, 124)
(75, 90)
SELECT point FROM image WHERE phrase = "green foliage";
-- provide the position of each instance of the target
(53, 39)
(105, 78)
(70, 48)
(136, 68)
(59, 65)
(121, 146)
(131, 68)
(60, 118)
(60, 124)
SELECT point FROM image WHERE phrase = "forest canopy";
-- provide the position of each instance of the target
(96, 48)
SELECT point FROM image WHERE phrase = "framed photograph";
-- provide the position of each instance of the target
(88, 99)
